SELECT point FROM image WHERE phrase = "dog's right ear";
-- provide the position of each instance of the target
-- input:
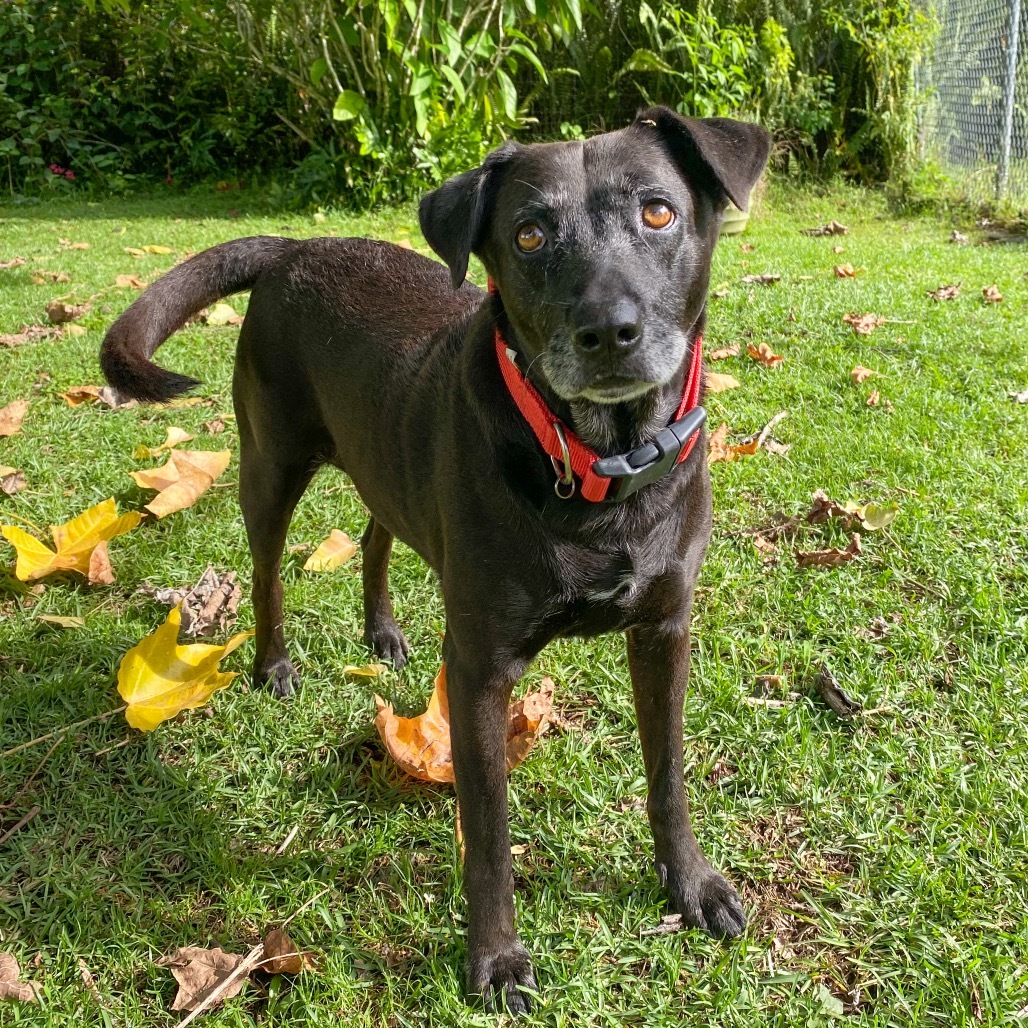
(454, 216)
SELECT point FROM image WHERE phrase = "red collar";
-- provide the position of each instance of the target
(629, 471)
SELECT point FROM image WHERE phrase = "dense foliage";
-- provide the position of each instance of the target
(368, 102)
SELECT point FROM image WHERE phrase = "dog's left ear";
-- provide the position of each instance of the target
(732, 153)
(454, 216)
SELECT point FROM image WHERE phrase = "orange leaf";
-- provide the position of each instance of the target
(732, 350)
(12, 416)
(873, 398)
(992, 294)
(863, 324)
(59, 313)
(174, 437)
(950, 292)
(846, 271)
(716, 383)
(100, 571)
(77, 395)
(130, 282)
(336, 550)
(187, 475)
(861, 374)
(830, 558)
(764, 354)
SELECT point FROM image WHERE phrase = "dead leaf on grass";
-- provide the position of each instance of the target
(14, 262)
(175, 437)
(215, 427)
(761, 280)
(732, 350)
(281, 955)
(991, 294)
(40, 277)
(747, 247)
(76, 396)
(720, 294)
(950, 292)
(335, 551)
(11, 480)
(860, 374)
(846, 271)
(99, 571)
(365, 670)
(12, 416)
(719, 450)
(11, 984)
(833, 228)
(831, 692)
(28, 334)
(958, 237)
(873, 398)
(863, 324)
(67, 244)
(716, 383)
(61, 313)
(764, 355)
(222, 314)
(187, 475)
(207, 608)
(130, 282)
(421, 745)
(62, 622)
(199, 972)
(832, 557)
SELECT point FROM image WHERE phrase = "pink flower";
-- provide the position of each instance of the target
(69, 174)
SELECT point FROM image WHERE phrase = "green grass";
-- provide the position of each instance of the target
(885, 863)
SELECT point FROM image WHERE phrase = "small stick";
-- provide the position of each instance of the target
(116, 746)
(288, 839)
(21, 824)
(249, 961)
(308, 904)
(62, 731)
(31, 778)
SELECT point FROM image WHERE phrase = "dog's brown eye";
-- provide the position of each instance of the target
(657, 215)
(530, 237)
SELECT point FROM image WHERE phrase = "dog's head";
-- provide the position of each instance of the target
(601, 249)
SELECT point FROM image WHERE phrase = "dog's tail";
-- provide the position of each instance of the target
(166, 306)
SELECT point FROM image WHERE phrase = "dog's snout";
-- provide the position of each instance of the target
(614, 328)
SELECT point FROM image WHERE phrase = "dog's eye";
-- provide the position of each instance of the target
(657, 215)
(530, 237)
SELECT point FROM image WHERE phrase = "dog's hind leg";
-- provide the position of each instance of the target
(381, 632)
(268, 494)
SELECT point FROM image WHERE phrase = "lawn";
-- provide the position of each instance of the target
(884, 859)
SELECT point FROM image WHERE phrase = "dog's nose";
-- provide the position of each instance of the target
(615, 328)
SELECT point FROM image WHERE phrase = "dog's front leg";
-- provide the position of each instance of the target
(479, 691)
(658, 656)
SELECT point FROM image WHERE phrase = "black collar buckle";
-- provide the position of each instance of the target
(629, 472)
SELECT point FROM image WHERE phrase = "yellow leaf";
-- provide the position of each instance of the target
(73, 330)
(158, 678)
(154, 248)
(223, 314)
(63, 622)
(367, 671)
(174, 437)
(336, 550)
(719, 383)
(74, 541)
(180, 482)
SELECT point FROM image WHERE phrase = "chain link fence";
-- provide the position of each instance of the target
(974, 98)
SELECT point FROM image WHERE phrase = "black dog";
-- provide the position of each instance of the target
(473, 426)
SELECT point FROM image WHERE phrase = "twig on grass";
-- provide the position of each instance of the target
(20, 825)
(31, 778)
(62, 731)
(251, 960)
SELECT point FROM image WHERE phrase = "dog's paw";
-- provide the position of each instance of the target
(279, 676)
(499, 976)
(706, 900)
(389, 643)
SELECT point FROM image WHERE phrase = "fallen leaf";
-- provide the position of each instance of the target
(199, 972)
(190, 401)
(12, 416)
(180, 483)
(720, 294)
(959, 238)
(78, 395)
(175, 436)
(846, 271)
(100, 571)
(833, 228)
(11, 985)
(365, 670)
(155, 248)
(830, 691)
(335, 551)
(281, 955)
(761, 280)
(421, 745)
(1019, 397)
(746, 247)
(992, 294)
(74, 541)
(863, 324)
(950, 292)
(14, 262)
(873, 398)
(838, 249)
(130, 282)
(135, 252)
(158, 678)
(41, 278)
(62, 622)
(208, 607)
(830, 558)
(719, 383)
(60, 313)
(824, 507)
(11, 480)
(732, 350)
(222, 314)
(873, 516)
(28, 334)
(215, 427)
(669, 924)
(861, 374)
(67, 244)
(764, 354)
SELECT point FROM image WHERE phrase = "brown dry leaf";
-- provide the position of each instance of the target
(187, 475)
(761, 280)
(421, 745)
(861, 374)
(130, 282)
(42, 278)
(991, 294)
(208, 608)
(732, 350)
(832, 557)
(67, 244)
(746, 247)
(100, 571)
(77, 395)
(718, 447)
(833, 228)
(846, 271)
(950, 292)
(14, 262)
(827, 686)
(175, 436)
(719, 450)
(281, 955)
(12, 416)
(11, 985)
(873, 398)
(199, 972)
(11, 480)
(765, 355)
(824, 507)
(863, 324)
(335, 551)
(716, 383)
(61, 313)
(135, 252)
(28, 334)
(720, 294)
(215, 427)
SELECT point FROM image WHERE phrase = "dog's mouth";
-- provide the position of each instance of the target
(616, 389)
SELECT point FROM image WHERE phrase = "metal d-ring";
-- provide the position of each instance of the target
(564, 487)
